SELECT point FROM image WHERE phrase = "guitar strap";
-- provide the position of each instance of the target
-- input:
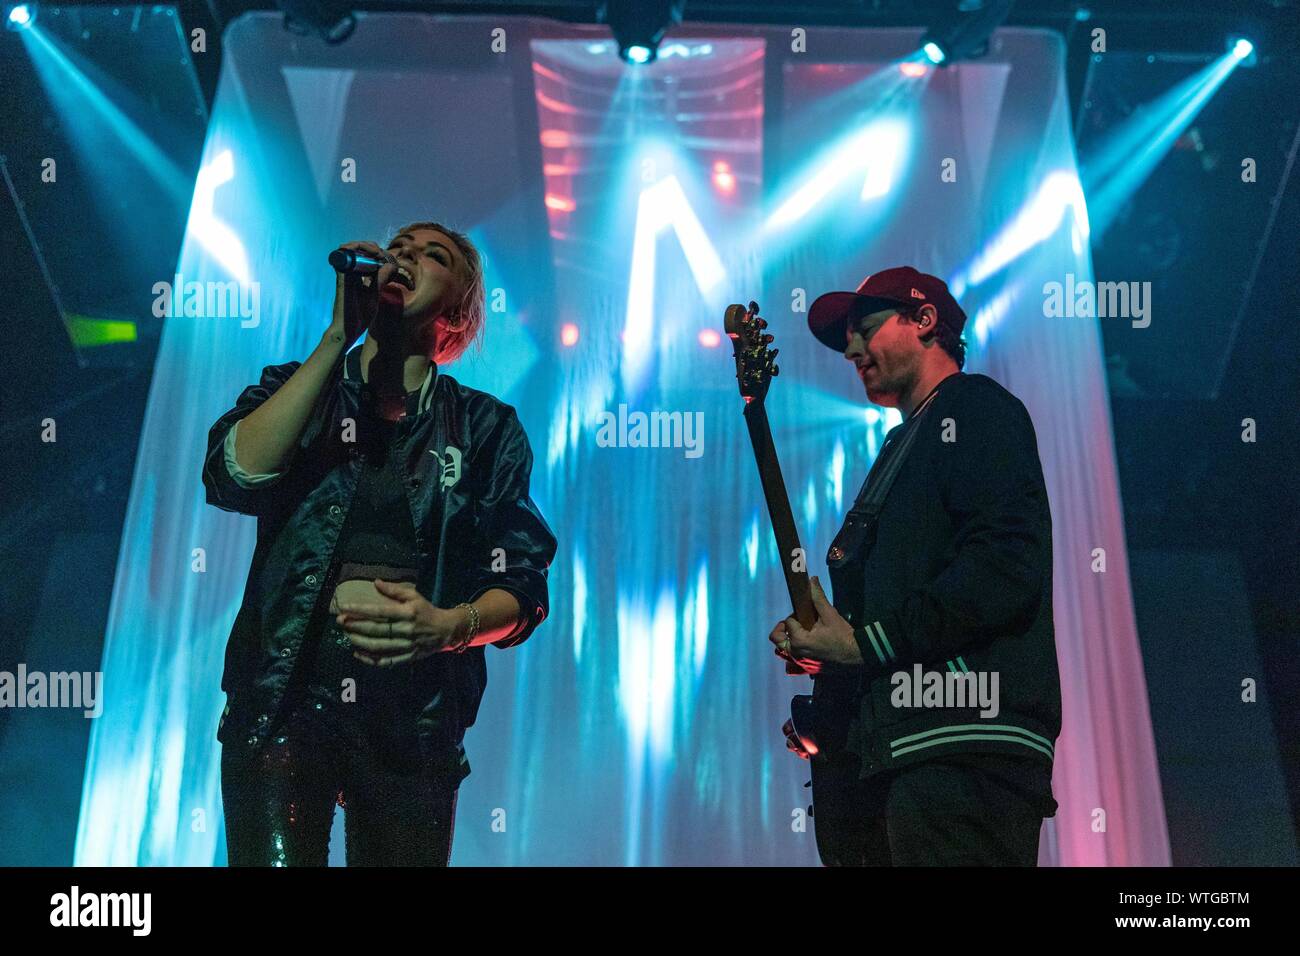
(854, 541)
(858, 530)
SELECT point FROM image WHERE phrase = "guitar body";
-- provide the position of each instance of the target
(801, 723)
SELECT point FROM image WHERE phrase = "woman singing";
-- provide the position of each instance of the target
(395, 538)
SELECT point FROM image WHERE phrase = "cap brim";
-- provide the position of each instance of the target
(829, 315)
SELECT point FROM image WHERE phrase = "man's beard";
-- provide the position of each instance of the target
(888, 388)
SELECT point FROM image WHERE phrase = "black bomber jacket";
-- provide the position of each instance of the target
(465, 462)
(956, 587)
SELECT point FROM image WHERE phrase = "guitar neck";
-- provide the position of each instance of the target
(778, 509)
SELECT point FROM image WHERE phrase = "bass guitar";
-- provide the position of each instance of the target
(755, 368)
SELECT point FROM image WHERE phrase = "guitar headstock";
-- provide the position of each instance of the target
(755, 362)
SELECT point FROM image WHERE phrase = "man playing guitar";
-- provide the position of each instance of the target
(942, 576)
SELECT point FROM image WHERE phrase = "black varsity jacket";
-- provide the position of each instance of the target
(955, 590)
(465, 462)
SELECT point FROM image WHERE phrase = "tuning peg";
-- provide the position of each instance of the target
(768, 338)
(775, 352)
(762, 323)
(776, 370)
(753, 306)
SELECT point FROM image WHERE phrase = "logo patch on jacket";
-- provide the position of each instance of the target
(448, 465)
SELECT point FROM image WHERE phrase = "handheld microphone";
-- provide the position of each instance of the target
(357, 263)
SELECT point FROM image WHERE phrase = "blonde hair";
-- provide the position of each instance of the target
(466, 321)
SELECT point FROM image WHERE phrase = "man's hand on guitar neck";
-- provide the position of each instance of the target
(829, 641)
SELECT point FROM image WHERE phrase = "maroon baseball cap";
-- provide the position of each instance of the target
(899, 288)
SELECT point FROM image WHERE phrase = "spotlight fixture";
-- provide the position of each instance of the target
(20, 16)
(331, 20)
(1243, 50)
(639, 25)
(964, 33)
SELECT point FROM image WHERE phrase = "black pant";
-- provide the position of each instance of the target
(280, 797)
(958, 812)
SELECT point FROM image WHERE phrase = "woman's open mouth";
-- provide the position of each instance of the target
(403, 278)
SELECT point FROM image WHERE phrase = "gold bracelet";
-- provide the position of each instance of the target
(462, 646)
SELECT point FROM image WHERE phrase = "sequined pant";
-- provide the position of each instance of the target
(280, 797)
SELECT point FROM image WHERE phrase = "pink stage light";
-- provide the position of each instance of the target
(723, 177)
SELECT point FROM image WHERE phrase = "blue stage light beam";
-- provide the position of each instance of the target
(218, 239)
(1033, 224)
(1118, 166)
(870, 157)
(663, 206)
(95, 123)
